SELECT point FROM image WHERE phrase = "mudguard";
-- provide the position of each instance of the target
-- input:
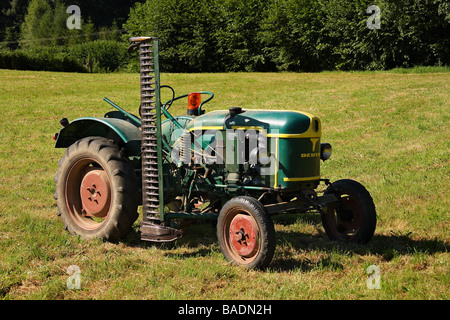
(123, 132)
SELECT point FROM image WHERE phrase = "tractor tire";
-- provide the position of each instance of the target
(246, 233)
(96, 190)
(353, 219)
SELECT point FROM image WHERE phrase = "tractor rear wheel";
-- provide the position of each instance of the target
(353, 217)
(246, 233)
(96, 190)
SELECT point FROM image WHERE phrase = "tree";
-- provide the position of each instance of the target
(11, 16)
(292, 33)
(186, 27)
(237, 34)
(37, 26)
(59, 30)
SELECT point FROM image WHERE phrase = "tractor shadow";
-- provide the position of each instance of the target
(199, 237)
(301, 245)
(294, 250)
(387, 247)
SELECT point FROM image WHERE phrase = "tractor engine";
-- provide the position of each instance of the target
(277, 149)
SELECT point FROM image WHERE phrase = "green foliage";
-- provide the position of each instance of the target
(294, 35)
(38, 22)
(94, 56)
(103, 14)
(202, 35)
(237, 38)
(101, 55)
(12, 14)
(412, 33)
(185, 26)
(45, 25)
(240, 35)
(46, 43)
(39, 58)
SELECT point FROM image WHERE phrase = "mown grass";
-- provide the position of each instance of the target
(389, 130)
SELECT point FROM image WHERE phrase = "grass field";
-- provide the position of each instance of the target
(389, 130)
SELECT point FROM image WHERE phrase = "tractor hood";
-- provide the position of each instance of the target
(277, 123)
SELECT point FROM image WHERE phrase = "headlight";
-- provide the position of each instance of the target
(325, 151)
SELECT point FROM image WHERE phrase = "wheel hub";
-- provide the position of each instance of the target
(244, 235)
(347, 215)
(95, 193)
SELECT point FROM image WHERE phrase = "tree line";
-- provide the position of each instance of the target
(34, 35)
(229, 35)
(47, 19)
(294, 35)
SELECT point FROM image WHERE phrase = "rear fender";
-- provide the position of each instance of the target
(121, 131)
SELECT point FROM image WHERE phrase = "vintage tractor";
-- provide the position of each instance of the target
(237, 166)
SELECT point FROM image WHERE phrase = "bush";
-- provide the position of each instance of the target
(39, 60)
(95, 56)
(101, 55)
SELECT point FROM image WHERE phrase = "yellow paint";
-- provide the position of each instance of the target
(310, 133)
(206, 128)
(248, 128)
(301, 179)
(314, 141)
(310, 155)
(276, 163)
(296, 111)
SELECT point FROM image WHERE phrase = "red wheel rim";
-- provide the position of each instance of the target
(241, 234)
(88, 194)
(95, 193)
(345, 220)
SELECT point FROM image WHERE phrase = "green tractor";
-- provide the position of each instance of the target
(239, 167)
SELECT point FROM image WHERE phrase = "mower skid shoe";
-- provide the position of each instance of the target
(157, 233)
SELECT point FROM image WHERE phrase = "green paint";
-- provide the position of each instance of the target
(122, 131)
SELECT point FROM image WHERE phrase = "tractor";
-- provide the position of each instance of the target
(239, 167)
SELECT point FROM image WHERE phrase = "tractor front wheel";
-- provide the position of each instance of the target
(353, 217)
(96, 190)
(246, 233)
